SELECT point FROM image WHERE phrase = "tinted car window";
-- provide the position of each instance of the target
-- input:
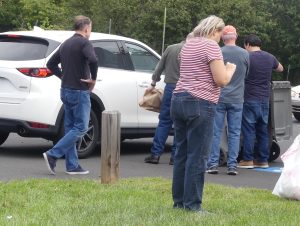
(142, 59)
(108, 54)
(22, 49)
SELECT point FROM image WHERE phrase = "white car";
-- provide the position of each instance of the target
(295, 94)
(30, 95)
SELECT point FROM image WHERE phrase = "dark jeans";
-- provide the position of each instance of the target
(165, 124)
(255, 127)
(193, 122)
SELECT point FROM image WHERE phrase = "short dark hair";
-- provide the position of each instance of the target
(80, 22)
(252, 40)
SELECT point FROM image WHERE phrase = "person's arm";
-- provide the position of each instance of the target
(53, 63)
(279, 68)
(159, 68)
(247, 65)
(89, 53)
(221, 73)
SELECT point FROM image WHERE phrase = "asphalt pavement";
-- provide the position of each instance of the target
(21, 158)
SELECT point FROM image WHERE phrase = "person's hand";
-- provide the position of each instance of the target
(150, 88)
(91, 83)
(230, 68)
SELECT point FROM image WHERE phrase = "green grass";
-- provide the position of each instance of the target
(136, 202)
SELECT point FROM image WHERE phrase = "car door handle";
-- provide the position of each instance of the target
(144, 84)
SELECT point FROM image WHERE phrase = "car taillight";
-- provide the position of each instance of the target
(38, 125)
(36, 72)
(13, 36)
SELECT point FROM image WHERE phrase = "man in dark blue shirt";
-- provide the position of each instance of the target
(256, 104)
(78, 74)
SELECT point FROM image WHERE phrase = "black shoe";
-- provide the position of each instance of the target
(178, 206)
(77, 171)
(232, 171)
(171, 162)
(152, 159)
(50, 162)
(212, 170)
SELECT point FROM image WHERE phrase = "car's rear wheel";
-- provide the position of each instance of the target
(3, 137)
(297, 115)
(87, 144)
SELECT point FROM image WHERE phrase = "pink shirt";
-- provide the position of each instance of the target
(195, 74)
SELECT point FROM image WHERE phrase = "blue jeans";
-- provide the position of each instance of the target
(165, 124)
(193, 123)
(77, 106)
(255, 128)
(234, 114)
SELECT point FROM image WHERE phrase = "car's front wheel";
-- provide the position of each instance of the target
(3, 137)
(297, 115)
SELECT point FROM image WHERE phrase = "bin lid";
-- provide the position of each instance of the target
(281, 84)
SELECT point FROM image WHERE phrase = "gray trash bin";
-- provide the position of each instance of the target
(280, 121)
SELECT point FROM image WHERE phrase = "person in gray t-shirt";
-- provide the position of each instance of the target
(230, 104)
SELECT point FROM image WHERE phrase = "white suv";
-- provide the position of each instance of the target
(30, 95)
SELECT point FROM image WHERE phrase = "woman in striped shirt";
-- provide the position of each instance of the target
(202, 73)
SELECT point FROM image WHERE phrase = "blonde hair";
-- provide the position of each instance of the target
(189, 36)
(207, 26)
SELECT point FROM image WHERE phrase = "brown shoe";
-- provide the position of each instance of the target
(246, 164)
(261, 164)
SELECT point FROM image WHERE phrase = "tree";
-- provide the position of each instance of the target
(276, 22)
(10, 12)
(285, 35)
(44, 13)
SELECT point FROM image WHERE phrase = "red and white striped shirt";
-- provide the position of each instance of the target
(195, 74)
